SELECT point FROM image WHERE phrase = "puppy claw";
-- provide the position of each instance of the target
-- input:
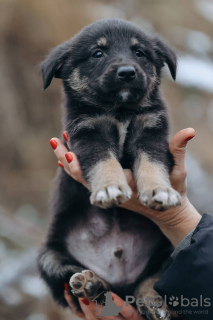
(111, 195)
(160, 199)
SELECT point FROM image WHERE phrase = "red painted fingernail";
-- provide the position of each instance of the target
(53, 144)
(68, 157)
(60, 164)
(190, 138)
(65, 135)
(66, 286)
(85, 301)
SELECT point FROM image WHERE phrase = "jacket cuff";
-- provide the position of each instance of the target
(183, 244)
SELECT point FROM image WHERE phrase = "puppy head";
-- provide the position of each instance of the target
(109, 62)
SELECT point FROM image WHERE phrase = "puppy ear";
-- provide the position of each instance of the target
(167, 55)
(51, 66)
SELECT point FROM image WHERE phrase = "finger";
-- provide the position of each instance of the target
(73, 307)
(130, 179)
(178, 144)
(177, 147)
(75, 168)
(60, 150)
(65, 135)
(128, 312)
(67, 160)
(88, 308)
(65, 169)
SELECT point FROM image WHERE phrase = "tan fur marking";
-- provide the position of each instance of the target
(108, 184)
(105, 173)
(150, 120)
(150, 175)
(102, 42)
(154, 188)
(152, 83)
(77, 83)
(134, 41)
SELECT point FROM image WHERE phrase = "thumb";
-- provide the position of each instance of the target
(178, 145)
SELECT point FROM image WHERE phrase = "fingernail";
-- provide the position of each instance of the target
(65, 135)
(68, 157)
(53, 144)
(66, 286)
(60, 164)
(189, 138)
(85, 301)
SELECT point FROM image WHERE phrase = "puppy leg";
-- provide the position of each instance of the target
(87, 285)
(152, 161)
(108, 183)
(96, 143)
(154, 187)
(56, 270)
(153, 306)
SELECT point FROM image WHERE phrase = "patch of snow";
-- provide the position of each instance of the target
(198, 41)
(34, 286)
(205, 8)
(195, 72)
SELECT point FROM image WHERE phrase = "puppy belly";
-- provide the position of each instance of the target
(117, 250)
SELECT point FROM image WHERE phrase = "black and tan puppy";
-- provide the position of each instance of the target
(115, 118)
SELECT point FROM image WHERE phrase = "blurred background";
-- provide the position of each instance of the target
(29, 117)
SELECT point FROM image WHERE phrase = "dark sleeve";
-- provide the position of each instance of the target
(187, 284)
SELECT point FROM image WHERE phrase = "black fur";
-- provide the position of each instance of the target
(93, 110)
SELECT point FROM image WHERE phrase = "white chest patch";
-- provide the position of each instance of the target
(124, 94)
(122, 134)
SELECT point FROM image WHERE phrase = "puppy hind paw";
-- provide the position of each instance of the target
(155, 309)
(85, 284)
(156, 314)
(160, 199)
(111, 195)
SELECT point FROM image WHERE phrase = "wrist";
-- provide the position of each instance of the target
(180, 222)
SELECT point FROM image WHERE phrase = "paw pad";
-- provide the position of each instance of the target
(84, 284)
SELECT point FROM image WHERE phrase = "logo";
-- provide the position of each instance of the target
(158, 301)
(173, 301)
(106, 307)
(109, 309)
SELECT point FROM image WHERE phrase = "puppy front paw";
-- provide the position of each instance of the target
(160, 199)
(111, 195)
(86, 284)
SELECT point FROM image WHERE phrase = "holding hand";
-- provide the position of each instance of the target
(89, 309)
(176, 222)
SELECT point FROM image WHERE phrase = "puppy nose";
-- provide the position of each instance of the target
(127, 73)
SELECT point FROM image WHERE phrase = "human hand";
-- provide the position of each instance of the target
(89, 310)
(176, 222)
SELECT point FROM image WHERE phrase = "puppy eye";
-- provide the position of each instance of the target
(98, 54)
(139, 53)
